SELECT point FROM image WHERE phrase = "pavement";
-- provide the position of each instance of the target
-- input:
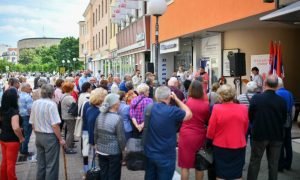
(27, 170)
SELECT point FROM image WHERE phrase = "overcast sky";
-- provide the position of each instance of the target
(37, 18)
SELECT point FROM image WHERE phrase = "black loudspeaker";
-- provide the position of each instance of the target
(237, 64)
(150, 67)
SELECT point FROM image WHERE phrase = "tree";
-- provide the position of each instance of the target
(27, 56)
(68, 49)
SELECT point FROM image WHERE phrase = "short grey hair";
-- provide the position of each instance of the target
(251, 86)
(162, 92)
(272, 81)
(41, 82)
(227, 92)
(172, 81)
(47, 91)
(24, 85)
(142, 88)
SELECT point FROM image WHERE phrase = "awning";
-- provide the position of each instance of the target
(290, 13)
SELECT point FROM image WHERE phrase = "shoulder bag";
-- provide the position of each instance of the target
(95, 172)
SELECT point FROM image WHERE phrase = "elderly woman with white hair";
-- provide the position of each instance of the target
(245, 99)
(36, 94)
(109, 138)
(227, 128)
(173, 84)
(137, 108)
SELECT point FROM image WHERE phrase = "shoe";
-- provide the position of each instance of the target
(70, 151)
(75, 141)
(281, 170)
(288, 168)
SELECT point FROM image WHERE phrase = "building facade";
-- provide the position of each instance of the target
(204, 31)
(11, 55)
(29, 43)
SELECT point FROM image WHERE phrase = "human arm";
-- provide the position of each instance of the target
(212, 124)
(56, 130)
(181, 105)
(96, 132)
(120, 134)
(16, 127)
(91, 126)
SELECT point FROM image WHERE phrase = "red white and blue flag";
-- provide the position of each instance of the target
(276, 64)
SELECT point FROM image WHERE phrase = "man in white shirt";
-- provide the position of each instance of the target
(137, 79)
(45, 121)
(115, 86)
(258, 79)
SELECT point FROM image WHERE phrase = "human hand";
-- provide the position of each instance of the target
(174, 96)
(22, 139)
(62, 142)
(140, 128)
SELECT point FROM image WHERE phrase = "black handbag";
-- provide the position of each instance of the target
(204, 159)
(95, 172)
(73, 110)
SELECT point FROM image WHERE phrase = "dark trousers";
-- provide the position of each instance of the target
(48, 149)
(162, 169)
(286, 156)
(70, 133)
(258, 148)
(110, 167)
(27, 133)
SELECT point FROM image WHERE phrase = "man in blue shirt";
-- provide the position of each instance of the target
(286, 156)
(25, 104)
(123, 84)
(160, 142)
(84, 78)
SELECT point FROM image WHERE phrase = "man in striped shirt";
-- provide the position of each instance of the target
(45, 121)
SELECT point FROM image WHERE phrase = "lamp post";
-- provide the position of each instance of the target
(68, 61)
(157, 8)
(63, 62)
(74, 60)
(85, 52)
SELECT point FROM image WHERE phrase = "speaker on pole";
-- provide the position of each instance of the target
(150, 67)
(237, 64)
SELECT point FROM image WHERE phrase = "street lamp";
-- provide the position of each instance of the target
(74, 60)
(85, 52)
(68, 61)
(63, 62)
(156, 8)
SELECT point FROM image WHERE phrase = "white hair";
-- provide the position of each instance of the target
(251, 86)
(172, 81)
(280, 82)
(162, 92)
(142, 88)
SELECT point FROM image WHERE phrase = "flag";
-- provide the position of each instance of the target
(271, 59)
(275, 59)
(279, 68)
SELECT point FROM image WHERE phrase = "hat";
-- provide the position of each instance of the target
(251, 86)
(109, 101)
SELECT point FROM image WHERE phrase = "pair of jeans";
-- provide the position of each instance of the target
(48, 148)
(110, 166)
(27, 128)
(273, 149)
(9, 158)
(286, 155)
(162, 169)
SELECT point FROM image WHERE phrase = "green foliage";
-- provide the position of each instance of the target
(47, 59)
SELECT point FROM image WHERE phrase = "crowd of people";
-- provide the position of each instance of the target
(105, 113)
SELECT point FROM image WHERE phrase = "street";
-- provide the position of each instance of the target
(27, 170)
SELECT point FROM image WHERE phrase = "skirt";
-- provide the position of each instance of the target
(229, 163)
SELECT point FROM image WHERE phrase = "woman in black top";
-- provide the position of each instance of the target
(11, 134)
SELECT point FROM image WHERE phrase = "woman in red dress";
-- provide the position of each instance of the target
(193, 132)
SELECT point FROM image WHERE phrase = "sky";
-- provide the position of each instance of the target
(39, 18)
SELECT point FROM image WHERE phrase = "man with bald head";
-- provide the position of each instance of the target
(267, 113)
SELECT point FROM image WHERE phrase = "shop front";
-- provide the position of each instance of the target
(133, 48)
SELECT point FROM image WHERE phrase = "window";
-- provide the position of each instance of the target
(99, 39)
(82, 47)
(99, 12)
(93, 43)
(96, 41)
(111, 30)
(106, 35)
(106, 6)
(96, 16)
(93, 19)
(114, 29)
(102, 37)
(102, 8)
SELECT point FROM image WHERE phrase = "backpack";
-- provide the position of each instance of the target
(73, 110)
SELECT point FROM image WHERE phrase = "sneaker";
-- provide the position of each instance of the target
(70, 151)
